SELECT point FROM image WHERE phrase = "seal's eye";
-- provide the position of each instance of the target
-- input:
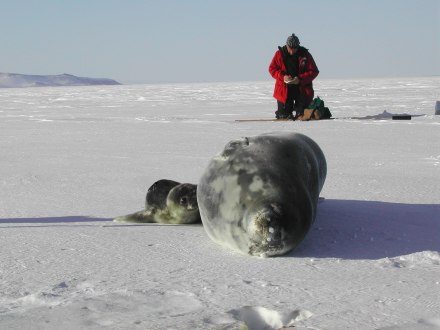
(183, 200)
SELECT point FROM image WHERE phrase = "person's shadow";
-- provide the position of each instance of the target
(351, 229)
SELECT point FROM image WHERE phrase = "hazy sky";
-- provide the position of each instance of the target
(136, 41)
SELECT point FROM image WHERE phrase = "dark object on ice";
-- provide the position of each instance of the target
(401, 117)
(385, 116)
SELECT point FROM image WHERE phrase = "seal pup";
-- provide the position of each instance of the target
(167, 202)
(259, 195)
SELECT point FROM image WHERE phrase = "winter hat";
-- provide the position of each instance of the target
(292, 41)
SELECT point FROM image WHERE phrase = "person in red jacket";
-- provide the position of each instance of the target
(293, 69)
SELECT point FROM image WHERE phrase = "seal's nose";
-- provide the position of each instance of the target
(265, 231)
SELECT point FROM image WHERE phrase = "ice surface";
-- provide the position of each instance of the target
(72, 158)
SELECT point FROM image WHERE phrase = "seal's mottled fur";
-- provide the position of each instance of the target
(259, 196)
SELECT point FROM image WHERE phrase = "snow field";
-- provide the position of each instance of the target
(73, 158)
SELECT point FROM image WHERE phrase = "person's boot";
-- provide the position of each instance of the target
(281, 114)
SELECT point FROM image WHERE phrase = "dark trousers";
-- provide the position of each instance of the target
(294, 102)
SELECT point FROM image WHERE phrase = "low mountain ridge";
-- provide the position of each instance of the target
(15, 80)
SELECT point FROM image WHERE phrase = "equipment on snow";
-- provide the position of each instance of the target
(315, 111)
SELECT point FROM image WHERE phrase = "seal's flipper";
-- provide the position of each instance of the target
(144, 216)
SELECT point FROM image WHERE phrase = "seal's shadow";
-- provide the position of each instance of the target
(51, 220)
(351, 229)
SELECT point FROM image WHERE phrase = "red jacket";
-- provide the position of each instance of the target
(307, 72)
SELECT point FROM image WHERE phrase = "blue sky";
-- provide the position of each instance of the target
(135, 41)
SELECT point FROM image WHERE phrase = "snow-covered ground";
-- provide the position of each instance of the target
(72, 158)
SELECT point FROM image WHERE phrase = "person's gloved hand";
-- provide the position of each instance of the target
(295, 81)
(288, 79)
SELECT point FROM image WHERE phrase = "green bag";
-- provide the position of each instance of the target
(318, 105)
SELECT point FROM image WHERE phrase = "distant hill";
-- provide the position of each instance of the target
(15, 80)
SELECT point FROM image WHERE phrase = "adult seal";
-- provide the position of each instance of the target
(168, 202)
(259, 196)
